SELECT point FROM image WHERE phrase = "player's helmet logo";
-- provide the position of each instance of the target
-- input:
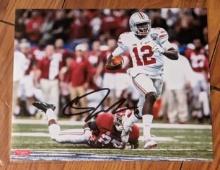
(140, 23)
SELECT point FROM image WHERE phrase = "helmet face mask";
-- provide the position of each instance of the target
(143, 29)
(118, 122)
(140, 24)
(120, 117)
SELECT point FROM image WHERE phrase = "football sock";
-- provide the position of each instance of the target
(147, 122)
(50, 115)
(54, 129)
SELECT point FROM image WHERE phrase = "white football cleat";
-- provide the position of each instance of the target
(150, 143)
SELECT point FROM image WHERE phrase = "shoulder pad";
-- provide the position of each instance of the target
(159, 34)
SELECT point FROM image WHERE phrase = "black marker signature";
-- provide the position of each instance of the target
(93, 111)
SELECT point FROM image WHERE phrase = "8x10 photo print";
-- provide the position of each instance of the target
(111, 84)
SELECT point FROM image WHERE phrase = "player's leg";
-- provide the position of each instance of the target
(73, 95)
(55, 130)
(15, 107)
(48, 109)
(61, 137)
(204, 97)
(44, 85)
(29, 93)
(54, 95)
(196, 104)
(134, 118)
(147, 116)
(182, 106)
(83, 101)
(149, 89)
(172, 108)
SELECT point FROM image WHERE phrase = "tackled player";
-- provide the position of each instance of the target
(103, 132)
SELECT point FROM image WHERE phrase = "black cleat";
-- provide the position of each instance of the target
(43, 106)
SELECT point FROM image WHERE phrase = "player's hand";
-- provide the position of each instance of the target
(119, 145)
(105, 138)
(114, 63)
(124, 136)
(92, 138)
(157, 48)
(160, 50)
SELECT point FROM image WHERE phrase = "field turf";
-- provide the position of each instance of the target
(173, 143)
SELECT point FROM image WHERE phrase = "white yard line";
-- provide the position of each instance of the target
(103, 149)
(79, 131)
(81, 123)
(141, 138)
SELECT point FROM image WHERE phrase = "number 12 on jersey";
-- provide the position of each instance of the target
(145, 56)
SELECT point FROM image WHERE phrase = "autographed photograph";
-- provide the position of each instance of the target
(111, 84)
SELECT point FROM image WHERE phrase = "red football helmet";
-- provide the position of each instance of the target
(104, 122)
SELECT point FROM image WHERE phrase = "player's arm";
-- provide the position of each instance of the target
(117, 52)
(171, 53)
(108, 64)
(91, 125)
(111, 63)
(168, 49)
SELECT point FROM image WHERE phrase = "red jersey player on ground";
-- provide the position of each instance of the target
(103, 132)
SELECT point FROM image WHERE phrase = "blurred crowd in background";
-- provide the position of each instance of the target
(60, 54)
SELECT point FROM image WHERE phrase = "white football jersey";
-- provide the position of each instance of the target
(146, 52)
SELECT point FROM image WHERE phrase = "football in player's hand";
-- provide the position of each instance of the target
(117, 60)
(116, 63)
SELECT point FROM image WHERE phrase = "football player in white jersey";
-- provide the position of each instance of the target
(147, 47)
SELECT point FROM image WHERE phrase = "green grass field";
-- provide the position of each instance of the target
(172, 142)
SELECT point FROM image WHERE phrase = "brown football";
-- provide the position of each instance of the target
(116, 63)
(117, 60)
